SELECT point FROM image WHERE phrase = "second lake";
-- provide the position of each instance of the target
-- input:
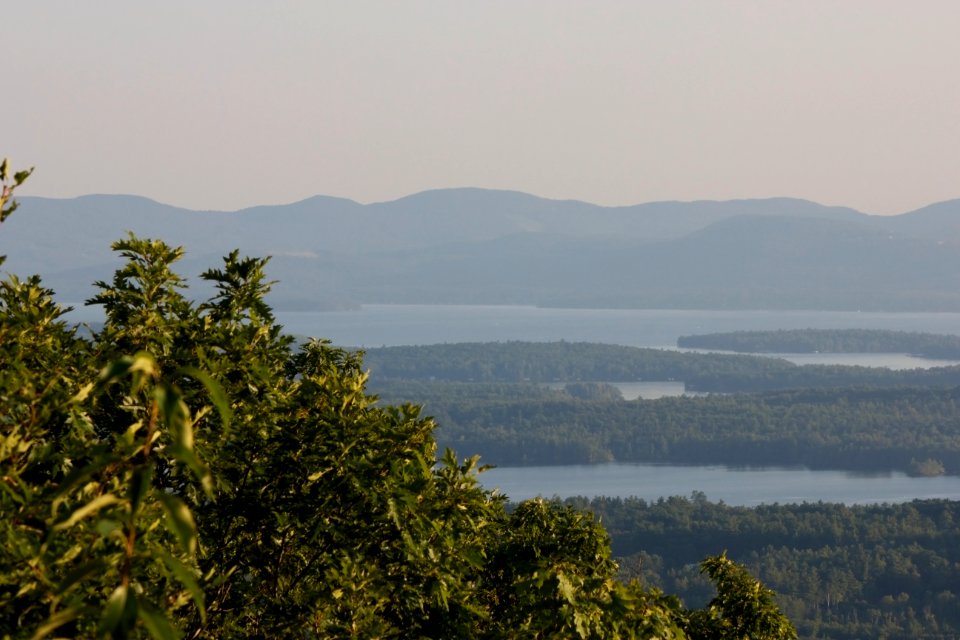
(734, 486)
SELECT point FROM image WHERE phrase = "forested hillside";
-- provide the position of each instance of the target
(842, 572)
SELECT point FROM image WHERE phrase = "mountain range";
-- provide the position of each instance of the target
(478, 246)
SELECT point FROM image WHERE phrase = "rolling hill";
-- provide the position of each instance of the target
(485, 246)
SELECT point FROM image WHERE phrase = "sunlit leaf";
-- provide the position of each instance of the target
(119, 612)
(216, 392)
(187, 578)
(180, 522)
(55, 621)
(88, 509)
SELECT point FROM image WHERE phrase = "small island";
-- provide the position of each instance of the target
(928, 345)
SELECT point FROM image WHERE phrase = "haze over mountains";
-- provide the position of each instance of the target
(479, 246)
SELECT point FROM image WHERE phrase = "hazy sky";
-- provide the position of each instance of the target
(230, 103)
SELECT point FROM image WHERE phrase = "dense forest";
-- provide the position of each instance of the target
(929, 345)
(913, 429)
(588, 362)
(841, 572)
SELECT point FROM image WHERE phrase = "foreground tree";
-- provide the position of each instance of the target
(184, 471)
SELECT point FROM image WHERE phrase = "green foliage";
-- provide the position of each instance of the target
(842, 572)
(551, 576)
(8, 183)
(743, 608)
(183, 472)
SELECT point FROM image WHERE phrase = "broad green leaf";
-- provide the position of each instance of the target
(217, 394)
(90, 508)
(79, 574)
(83, 393)
(566, 588)
(115, 370)
(139, 485)
(20, 176)
(176, 415)
(180, 522)
(142, 363)
(79, 475)
(130, 435)
(473, 556)
(157, 624)
(119, 613)
(189, 458)
(58, 619)
(186, 577)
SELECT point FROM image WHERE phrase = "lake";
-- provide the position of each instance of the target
(734, 486)
(378, 325)
(375, 325)
(886, 360)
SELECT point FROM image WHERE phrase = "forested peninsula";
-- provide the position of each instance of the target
(929, 345)
(591, 362)
(910, 429)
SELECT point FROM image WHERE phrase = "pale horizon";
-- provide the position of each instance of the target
(226, 105)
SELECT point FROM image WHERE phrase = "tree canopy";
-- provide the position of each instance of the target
(184, 471)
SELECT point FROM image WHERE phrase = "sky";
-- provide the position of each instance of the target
(224, 104)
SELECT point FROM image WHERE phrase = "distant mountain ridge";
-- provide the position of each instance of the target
(487, 246)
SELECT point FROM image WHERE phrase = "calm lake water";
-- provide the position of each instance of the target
(744, 487)
(887, 360)
(389, 325)
(378, 325)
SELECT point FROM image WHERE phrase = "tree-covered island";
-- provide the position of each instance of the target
(513, 362)
(929, 345)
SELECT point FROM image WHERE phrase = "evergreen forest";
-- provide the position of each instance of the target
(877, 571)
